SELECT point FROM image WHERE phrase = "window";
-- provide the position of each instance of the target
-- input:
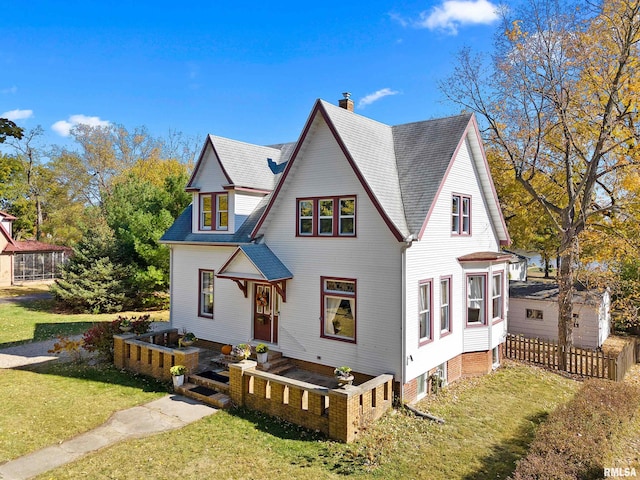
(305, 217)
(205, 301)
(461, 215)
(222, 211)
(475, 299)
(424, 311)
(327, 217)
(445, 305)
(214, 207)
(534, 314)
(339, 308)
(496, 296)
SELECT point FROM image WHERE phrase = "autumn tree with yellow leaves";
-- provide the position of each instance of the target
(559, 102)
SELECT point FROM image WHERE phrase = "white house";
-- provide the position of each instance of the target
(533, 312)
(360, 244)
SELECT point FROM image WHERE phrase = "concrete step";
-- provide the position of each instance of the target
(213, 384)
(278, 367)
(205, 395)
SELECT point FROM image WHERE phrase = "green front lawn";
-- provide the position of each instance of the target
(46, 404)
(489, 423)
(34, 321)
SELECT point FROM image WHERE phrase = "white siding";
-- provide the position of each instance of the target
(210, 178)
(244, 204)
(232, 322)
(586, 335)
(435, 256)
(373, 259)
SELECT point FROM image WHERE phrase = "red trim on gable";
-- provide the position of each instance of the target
(209, 141)
(493, 187)
(472, 123)
(11, 241)
(319, 108)
(7, 216)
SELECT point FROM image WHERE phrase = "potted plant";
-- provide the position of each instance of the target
(262, 353)
(188, 339)
(178, 372)
(125, 325)
(343, 375)
(241, 351)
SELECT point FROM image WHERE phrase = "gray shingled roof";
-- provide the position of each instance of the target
(267, 263)
(246, 164)
(549, 292)
(424, 151)
(181, 232)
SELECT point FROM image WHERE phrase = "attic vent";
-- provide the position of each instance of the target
(274, 167)
(346, 102)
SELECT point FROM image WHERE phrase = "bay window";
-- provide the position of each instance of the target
(476, 292)
(496, 296)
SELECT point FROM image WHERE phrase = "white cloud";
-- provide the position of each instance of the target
(453, 13)
(374, 97)
(14, 115)
(12, 90)
(63, 127)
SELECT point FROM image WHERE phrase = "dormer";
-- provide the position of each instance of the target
(229, 181)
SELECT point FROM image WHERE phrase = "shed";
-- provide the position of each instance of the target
(533, 312)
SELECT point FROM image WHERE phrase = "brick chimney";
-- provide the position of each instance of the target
(346, 102)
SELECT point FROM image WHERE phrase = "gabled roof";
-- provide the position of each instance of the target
(7, 216)
(266, 264)
(424, 151)
(243, 164)
(401, 168)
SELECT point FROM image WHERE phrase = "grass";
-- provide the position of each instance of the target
(489, 424)
(21, 290)
(35, 321)
(53, 402)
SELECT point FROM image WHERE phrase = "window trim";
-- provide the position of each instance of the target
(483, 323)
(336, 217)
(461, 215)
(215, 212)
(500, 318)
(449, 280)
(324, 293)
(201, 271)
(428, 283)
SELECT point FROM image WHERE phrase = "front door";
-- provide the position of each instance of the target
(265, 313)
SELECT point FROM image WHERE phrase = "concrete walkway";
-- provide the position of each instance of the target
(167, 413)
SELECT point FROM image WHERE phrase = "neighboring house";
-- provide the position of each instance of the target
(27, 260)
(518, 266)
(360, 244)
(533, 312)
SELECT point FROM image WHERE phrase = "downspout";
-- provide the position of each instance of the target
(407, 244)
(171, 286)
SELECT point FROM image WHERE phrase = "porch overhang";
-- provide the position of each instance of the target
(256, 263)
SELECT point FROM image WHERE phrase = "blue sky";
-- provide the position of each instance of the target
(245, 70)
